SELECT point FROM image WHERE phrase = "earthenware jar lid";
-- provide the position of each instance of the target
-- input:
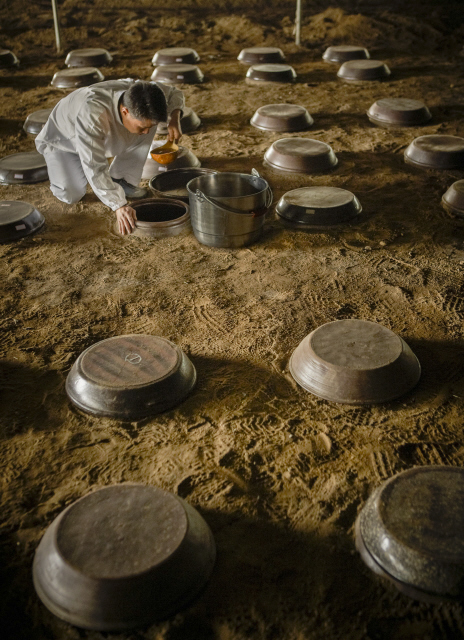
(18, 219)
(398, 112)
(88, 58)
(354, 362)
(122, 557)
(35, 121)
(300, 155)
(453, 199)
(178, 74)
(261, 55)
(77, 77)
(318, 206)
(271, 73)
(363, 71)
(436, 152)
(25, 167)
(343, 52)
(282, 117)
(173, 55)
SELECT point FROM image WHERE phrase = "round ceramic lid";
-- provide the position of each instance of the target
(71, 77)
(283, 111)
(121, 531)
(440, 144)
(271, 68)
(355, 344)
(364, 64)
(346, 48)
(23, 161)
(262, 50)
(88, 53)
(12, 211)
(177, 68)
(319, 197)
(176, 52)
(301, 147)
(400, 104)
(422, 510)
(40, 116)
(130, 361)
(363, 70)
(76, 72)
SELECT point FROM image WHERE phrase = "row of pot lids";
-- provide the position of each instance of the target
(130, 554)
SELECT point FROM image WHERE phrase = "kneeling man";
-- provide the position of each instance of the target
(114, 119)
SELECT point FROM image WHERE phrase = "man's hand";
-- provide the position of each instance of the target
(174, 128)
(126, 218)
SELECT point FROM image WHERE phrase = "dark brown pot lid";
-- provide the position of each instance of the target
(122, 557)
(35, 121)
(453, 199)
(161, 217)
(178, 74)
(23, 168)
(300, 155)
(261, 55)
(8, 59)
(344, 52)
(77, 77)
(436, 152)
(174, 55)
(363, 71)
(403, 587)
(399, 112)
(130, 377)
(318, 206)
(271, 73)
(185, 159)
(18, 219)
(413, 526)
(88, 58)
(354, 362)
(189, 122)
(173, 183)
(282, 117)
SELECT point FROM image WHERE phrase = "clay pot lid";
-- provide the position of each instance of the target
(77, 77)
(281, 117)
(173, 183)
(318, 206)
(270, 73)
(453, 198)
(8, 59)
(178, 74)
(24, 167)
(189, 122)
(413, 527)
(122, 557)
(18, 219)
(173, 55)
(35, 121)
(363, 71)
(88, 58)
(257, 55)
(130, 377)
(300, 155)
(344, 52)
(355, 362)
(436, 152)
(399, 112)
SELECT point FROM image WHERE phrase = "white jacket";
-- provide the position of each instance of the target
(88, 122)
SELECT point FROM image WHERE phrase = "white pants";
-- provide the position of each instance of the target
(67, 178)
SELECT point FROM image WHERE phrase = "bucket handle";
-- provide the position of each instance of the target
(259, 212)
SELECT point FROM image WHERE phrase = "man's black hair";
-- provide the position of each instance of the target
(146, 101)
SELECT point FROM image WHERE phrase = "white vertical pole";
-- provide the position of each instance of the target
(298, 23)
(57, 25)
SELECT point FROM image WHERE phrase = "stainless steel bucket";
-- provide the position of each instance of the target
(228, 209)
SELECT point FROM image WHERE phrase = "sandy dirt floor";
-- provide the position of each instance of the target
(278, 474)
